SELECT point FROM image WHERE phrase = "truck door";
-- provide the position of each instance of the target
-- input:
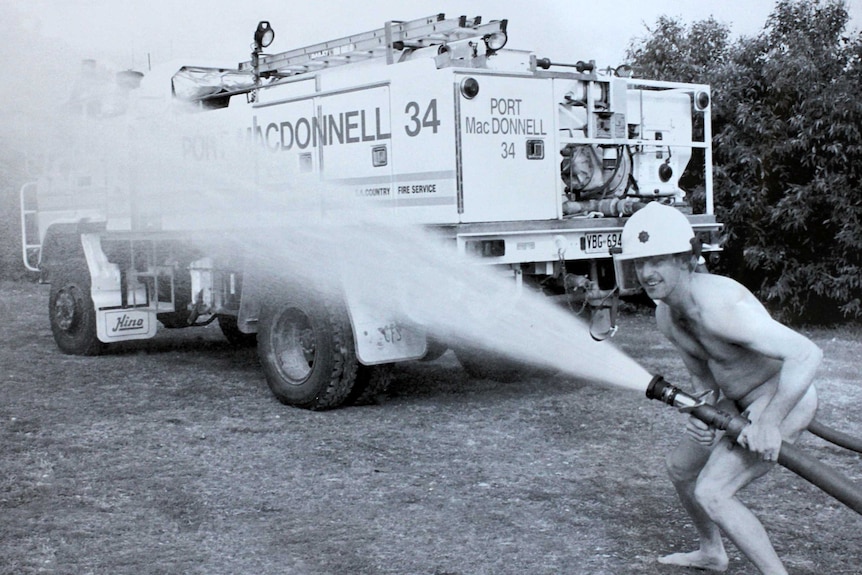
(287, 138)
(355, 142)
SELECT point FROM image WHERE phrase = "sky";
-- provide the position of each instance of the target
(139, 33)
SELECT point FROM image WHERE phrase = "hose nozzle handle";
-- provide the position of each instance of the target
(663, 391)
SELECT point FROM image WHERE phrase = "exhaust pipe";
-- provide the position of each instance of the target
(808, 468)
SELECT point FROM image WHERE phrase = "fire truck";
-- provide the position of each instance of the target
(515, 162)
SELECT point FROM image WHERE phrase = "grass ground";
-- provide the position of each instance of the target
(170, 456)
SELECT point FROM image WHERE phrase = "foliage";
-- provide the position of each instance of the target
(680, 53)
(787, 151)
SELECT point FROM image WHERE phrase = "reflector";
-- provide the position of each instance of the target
(469, 88)
(495, 41)
(264, 35)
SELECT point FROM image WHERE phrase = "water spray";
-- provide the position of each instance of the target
(810, 469)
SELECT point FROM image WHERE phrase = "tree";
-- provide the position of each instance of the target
(675, 52)
(788, 156)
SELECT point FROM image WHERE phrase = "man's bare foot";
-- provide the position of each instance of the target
(698, 559)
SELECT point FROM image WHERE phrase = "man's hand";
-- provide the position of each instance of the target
(764, 440)
(700, 432)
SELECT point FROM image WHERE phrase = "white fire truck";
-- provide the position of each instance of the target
(515, 161)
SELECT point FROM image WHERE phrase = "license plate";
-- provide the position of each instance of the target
(600, 243)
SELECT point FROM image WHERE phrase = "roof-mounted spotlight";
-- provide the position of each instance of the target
(264, 35)
(495, 41)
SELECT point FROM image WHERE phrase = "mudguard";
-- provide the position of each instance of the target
(383, 335)
(115, 322)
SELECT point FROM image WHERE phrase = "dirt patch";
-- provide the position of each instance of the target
(171, 456)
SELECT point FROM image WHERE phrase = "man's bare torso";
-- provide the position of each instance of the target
(739, 373)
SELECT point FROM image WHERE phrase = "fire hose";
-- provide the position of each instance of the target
(835, 437)
(803, 465)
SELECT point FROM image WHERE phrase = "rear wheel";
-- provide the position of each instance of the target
(307, 352)
(71, 311)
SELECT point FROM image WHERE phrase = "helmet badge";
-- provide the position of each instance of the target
(643, 237)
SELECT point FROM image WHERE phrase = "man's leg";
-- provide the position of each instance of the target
(723, 476)
(729, 470)
(683, 465)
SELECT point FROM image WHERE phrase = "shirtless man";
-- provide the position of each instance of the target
(749, 362)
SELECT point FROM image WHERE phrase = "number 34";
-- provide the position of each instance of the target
(429, 118)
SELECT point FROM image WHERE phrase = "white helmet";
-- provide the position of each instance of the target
(655, 230)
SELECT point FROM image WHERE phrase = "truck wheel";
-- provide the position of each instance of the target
(483, 364)
(371, 381)
(231, 332)
(71, 312)
(307, 353)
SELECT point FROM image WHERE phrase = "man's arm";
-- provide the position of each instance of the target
(799, 356)
(701, 377)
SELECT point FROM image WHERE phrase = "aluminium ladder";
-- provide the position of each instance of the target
(394, 36)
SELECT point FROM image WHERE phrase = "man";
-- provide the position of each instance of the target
(738, 357)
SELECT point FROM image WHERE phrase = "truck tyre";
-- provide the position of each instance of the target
(307, 352)
(371, 381)
(71, 311)
(231, 332)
